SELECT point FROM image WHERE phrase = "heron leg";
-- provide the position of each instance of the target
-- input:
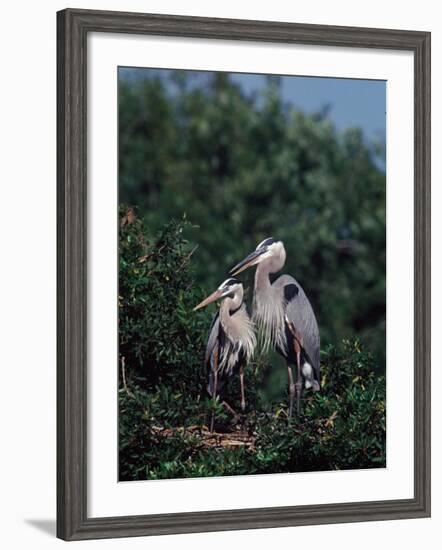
(298, 385)
(215, 388)
(291, 389)
(243, 398)
(241, 379)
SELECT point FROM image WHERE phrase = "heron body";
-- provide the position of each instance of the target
(232, 339)
(284, 316)
(291, 312)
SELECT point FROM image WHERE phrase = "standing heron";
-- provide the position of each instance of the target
(284, 317)
(231, 341)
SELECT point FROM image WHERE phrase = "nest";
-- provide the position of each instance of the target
(203, 437)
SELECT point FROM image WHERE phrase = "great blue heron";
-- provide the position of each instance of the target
(284, 317)
(231, 341)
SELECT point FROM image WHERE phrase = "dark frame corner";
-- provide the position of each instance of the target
(73, 27)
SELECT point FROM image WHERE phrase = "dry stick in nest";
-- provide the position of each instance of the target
(209, 439)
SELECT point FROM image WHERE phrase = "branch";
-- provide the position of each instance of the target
(123, 373)
(187, 258)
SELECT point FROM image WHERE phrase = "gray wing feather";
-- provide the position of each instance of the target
(213, 339)
(300, 312)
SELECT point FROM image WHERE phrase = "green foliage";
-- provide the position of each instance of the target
(156, 294)
(163, 407)
(246, 167)
(342, 427)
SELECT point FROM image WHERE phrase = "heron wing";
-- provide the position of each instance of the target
(299, 313)
(213, 340)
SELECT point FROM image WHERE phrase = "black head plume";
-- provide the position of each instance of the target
(266, 242)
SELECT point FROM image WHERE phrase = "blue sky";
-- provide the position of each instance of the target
(351, 102)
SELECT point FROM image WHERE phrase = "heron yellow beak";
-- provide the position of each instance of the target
(252, 259)
(212, 298)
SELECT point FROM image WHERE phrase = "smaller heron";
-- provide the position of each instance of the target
(231, 342)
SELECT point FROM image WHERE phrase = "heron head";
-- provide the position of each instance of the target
(267, 249)
(226, 289)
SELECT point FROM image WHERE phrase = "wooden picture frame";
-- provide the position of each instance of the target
(73, 27)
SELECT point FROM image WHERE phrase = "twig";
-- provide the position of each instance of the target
(123, 373)
(187, 258)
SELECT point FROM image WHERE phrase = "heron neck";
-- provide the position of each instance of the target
(268, 308)
(262, 276)
(231, 304)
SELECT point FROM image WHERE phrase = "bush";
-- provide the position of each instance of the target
(164, 410)
(159, 336)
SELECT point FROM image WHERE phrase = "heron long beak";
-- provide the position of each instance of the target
(252, 259)
(212, 298)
